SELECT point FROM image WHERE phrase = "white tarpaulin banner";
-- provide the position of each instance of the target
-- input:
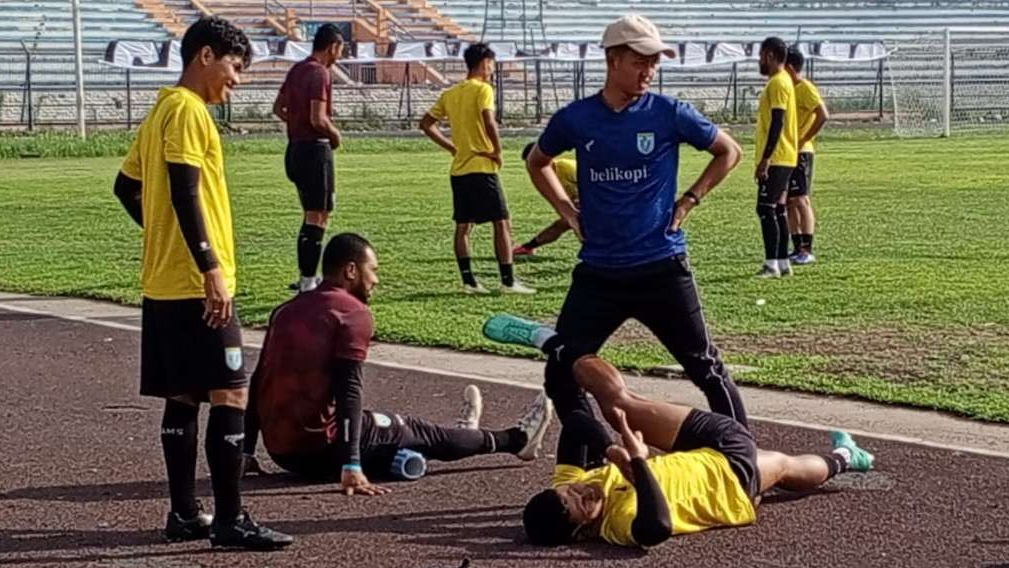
(154, 56)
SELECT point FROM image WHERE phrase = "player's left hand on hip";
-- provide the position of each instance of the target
(496, 158)
(356, 482)
(683, 207)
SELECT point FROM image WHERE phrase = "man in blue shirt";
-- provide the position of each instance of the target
(634, 261)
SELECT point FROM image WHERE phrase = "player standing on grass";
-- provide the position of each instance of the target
(308, 392)
(477, 196)
(567, 173)
(812, 115)
(172, 184)
(777, 138)
(633, 256)
(305, 103)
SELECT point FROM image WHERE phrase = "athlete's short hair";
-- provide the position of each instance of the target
(476, 53)
(221, 35)
(546, 520)
(527, 150)
(776, 47)
(326, 36)
(795, 59)
(344, 248)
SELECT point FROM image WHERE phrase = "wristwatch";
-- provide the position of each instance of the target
(692, 196)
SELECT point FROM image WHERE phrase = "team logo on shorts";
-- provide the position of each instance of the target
(646, 142)
(233, 358)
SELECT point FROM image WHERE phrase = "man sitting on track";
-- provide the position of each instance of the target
(306, 392)
(713, 475)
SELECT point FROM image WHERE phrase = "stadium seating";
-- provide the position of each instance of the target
(48, 24)
(737, 20)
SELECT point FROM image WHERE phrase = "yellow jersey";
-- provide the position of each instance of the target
(179, 130)
(700, 488)
(567, 172)
(807, 100)
(778, 94)
(463, 106)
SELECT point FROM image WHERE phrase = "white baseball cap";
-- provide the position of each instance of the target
(637, 33)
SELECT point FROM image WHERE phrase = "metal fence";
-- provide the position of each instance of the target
(37, 91)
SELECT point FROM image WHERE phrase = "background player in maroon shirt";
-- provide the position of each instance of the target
(305, 103)
(306, 395)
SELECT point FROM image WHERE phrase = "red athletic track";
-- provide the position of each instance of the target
(81, 484)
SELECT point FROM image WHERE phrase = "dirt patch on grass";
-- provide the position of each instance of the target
(899, 354)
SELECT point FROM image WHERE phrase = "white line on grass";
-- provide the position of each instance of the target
(523, 385)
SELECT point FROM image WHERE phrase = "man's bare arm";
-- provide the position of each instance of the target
(821, 118)
(429, 125)
(322, 123)
(726, 154)
(548, 184)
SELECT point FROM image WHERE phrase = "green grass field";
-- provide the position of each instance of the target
(909, 304)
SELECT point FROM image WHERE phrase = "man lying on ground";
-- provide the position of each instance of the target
(307, 394)
(712, 476)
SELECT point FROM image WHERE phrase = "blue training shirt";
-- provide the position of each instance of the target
(628, 162)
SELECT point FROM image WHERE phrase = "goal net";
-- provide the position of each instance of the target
(945, 84)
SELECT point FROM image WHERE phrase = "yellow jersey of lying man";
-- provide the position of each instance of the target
(713, 478)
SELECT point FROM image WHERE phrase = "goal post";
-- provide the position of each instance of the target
(949, 82)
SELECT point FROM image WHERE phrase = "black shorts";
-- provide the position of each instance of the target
(704, 429)
(309, 166)
(802, 177)
(478, 198)
(180, 355)
(383, 434)
(771, 189)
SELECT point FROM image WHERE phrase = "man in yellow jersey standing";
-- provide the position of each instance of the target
(777, 138)
(172, 184)
(475, 146)
(567, 173)
(812, 115)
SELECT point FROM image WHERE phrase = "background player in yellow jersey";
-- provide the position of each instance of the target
(172, 184)
(567, 172)
(812, 115)
(713, 475)
(777, 138)
(475, 146)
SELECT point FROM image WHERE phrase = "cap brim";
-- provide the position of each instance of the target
(649, 47)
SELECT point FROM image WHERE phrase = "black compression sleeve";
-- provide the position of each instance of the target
(130, 192)
(185, 184)
(652, 525)
(774, 132)
(347, 389)
(583, 441)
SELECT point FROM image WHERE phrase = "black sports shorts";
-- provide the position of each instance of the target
(771, 189)
(802, 177)
(181, 355)
(704, 429)
(478, 198)
(309, 166)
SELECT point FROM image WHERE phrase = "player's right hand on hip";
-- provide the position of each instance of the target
(217, 307)
(356, 482)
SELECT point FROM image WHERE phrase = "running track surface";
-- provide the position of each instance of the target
(82, 484)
